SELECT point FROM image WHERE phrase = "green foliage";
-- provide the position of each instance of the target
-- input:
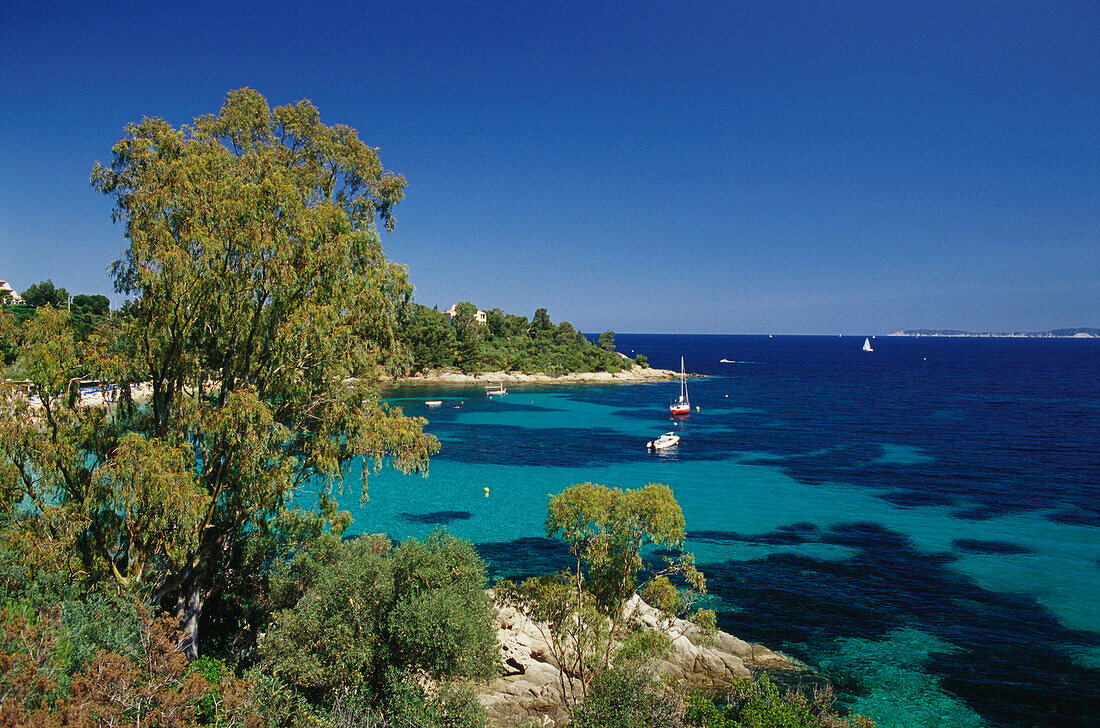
(465, 321)
(277, 705)
(369, 611)
(330, 639)
(759, 703)
(430, 338)
(630, 694)
(607, 341)
(541, 325)
(213, 671)
(409, 704)
(587, 609)
(505, 342)
(95, 305)
(440, 620)
(607, 528)
(45, 294)
(701, 712)
(260, 289)
(641, 360)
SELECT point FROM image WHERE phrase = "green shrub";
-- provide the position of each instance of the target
(759, 703)
(452, 706)
(628, 695)
(420, 608)
(440, 620)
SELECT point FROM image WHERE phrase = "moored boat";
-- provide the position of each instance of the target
(682, 406)
(666, 440)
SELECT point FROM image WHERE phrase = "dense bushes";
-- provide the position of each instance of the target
(418, 609)
(505, 342)
(358, 633)
(630, 694)
(759, 703)
(633, 693)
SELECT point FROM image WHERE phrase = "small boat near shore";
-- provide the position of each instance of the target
(433, 402)
(666, 440)
(500, 391)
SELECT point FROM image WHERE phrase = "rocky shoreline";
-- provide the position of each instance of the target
(634, 375)
(529, 690)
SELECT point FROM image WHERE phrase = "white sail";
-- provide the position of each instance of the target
(682, 405)
(867, 345)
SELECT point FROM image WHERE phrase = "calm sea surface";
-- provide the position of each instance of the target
(920, 524)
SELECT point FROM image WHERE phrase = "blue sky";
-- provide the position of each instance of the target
(736, 167)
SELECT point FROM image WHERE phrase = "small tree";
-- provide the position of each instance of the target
(587, 610)
(95, 305)
(498, 325)
(465, 321)
(607, 341)
(541, 325)
(45, 294)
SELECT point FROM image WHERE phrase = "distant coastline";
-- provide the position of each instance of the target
(1077, 333)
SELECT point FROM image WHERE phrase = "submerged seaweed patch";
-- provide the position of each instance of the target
(976, 546)
(437, 517)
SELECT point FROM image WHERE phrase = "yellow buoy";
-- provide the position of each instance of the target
(696, 408)
(486, 491)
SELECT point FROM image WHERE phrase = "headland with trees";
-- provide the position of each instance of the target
(156, 567)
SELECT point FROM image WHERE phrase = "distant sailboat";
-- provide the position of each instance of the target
(867, 345)
(682, 406)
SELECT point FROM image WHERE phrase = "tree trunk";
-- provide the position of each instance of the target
(188, 611)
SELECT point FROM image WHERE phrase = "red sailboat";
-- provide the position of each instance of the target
(682, 406)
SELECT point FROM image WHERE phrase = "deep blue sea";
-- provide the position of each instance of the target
(920, 524)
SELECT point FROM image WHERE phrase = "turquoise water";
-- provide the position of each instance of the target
(920, 524)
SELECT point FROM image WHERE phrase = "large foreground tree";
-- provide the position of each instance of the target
(263, 310)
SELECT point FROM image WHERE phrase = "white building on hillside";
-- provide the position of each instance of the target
(479, 317)
(8, 294)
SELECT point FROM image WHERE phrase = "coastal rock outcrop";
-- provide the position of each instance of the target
(530, 686)
(634, 375)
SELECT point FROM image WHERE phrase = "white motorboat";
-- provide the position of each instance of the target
(666, 440)
(433, 402)
(500, 391)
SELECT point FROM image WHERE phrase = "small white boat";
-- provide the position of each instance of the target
(682, 406)
(500, 391)
(723, 360)
(867, 345)
(666, 440)
(433, 402)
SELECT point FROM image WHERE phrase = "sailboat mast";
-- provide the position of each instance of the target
(683, 382)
